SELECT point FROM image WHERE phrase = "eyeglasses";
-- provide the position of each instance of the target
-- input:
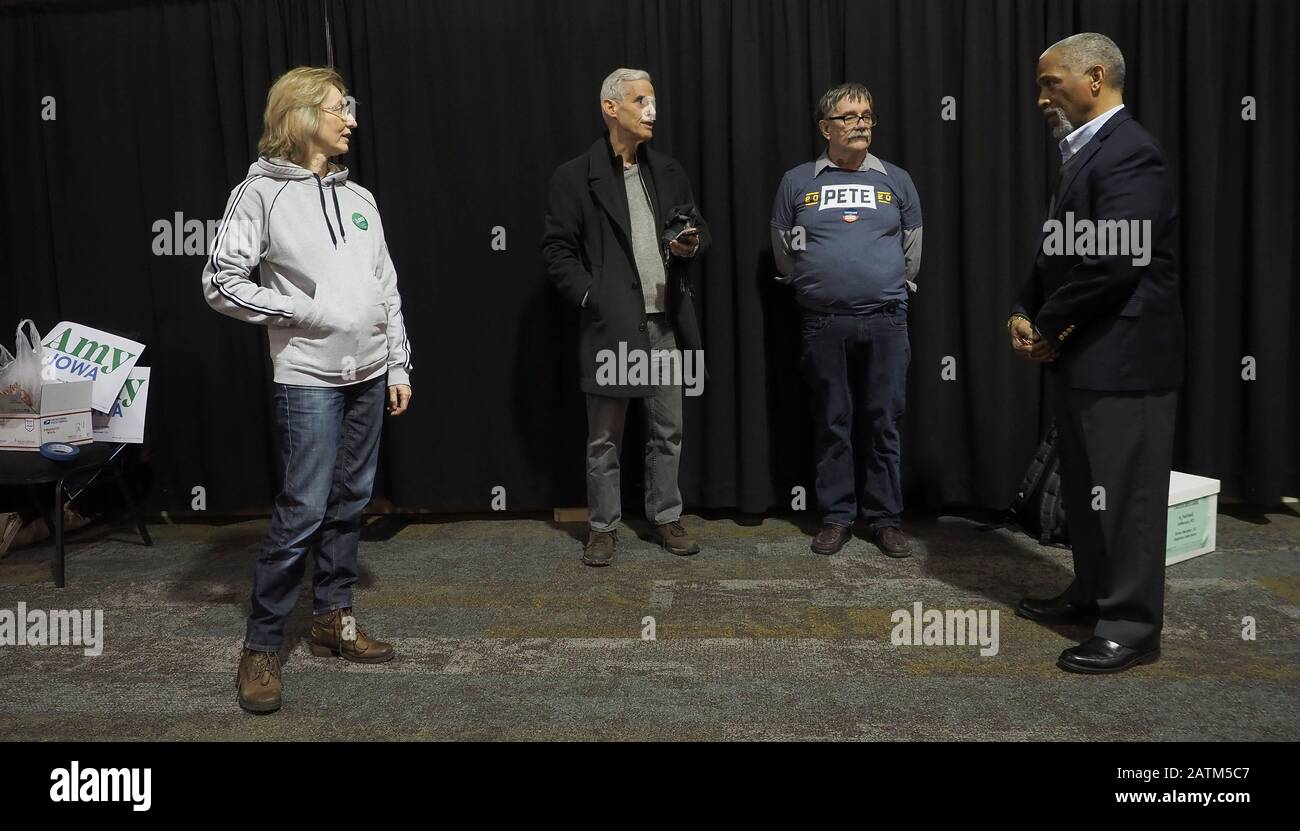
(345, 109)
(853, 119)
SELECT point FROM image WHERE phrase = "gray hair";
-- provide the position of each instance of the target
(852, 91)
(611, 89)
(1083, 51)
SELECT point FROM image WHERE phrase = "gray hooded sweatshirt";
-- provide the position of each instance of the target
(328, 293)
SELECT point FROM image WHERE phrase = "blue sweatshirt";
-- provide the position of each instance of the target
(847, 240)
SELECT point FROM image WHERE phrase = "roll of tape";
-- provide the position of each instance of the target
(60, 452)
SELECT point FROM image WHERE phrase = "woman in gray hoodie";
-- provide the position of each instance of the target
(328, 297)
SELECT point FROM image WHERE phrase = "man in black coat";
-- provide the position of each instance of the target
(621, 230)
(1102, 309)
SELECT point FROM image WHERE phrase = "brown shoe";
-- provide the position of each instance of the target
(338, 633)
(258, 681)
(33, 532)
(831, 538)
(599, 550)
(674, 537)
(893, 542)
(10, 525)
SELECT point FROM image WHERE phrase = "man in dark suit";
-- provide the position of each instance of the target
(1102, 310)
(621, 230)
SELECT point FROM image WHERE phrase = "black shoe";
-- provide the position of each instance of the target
(892, 541)
(1098, 655)
(599, 550)
(831, 538)
(1055, 610)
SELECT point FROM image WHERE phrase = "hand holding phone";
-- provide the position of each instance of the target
(686, 243)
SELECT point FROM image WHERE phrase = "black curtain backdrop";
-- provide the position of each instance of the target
(468, 105)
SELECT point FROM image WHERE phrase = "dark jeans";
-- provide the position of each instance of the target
(856, 370)
(329, 446)
(1123, 443)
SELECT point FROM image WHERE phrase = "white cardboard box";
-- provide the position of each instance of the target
(64, 416)
(1193, 511)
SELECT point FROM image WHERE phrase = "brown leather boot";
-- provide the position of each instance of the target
(258, 681)
(337, 633)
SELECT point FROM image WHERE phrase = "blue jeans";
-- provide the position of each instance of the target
(329, 446)
(856, 370)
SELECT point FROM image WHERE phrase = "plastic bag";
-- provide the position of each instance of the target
(20, 372)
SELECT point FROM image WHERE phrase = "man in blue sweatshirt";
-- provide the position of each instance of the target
(846, 234)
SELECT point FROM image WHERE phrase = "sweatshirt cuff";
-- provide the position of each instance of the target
(398, 375)
(306, 313)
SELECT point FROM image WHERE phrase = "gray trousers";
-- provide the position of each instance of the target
(606, 416)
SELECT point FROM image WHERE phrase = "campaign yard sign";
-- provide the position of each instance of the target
(76, 352)
(125, 422)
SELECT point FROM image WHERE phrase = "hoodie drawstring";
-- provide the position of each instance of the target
(325, 213)
(334, 189)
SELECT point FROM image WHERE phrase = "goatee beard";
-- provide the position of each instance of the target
(1063, 126)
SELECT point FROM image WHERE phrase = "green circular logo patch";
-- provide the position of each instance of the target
(360, 221)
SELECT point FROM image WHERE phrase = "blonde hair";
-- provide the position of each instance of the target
(293, 110)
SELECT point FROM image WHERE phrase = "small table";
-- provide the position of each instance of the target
(23, 467)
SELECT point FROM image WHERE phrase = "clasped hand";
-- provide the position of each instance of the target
(1028, 344)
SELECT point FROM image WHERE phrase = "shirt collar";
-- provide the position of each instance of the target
(1075, 141)
(869, 163)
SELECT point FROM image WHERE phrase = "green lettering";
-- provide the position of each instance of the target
(130, 389)
(120, 357)
(89, 347)
(61, 344)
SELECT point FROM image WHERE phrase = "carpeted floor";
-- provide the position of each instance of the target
(503, 634)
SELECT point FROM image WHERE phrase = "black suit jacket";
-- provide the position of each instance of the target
(587, 248)
(1119, 325)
